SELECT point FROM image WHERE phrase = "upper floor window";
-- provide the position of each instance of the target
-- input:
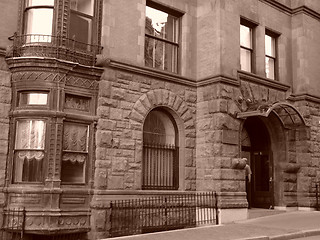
(38, 19)
(59, 25)
(29, 150)
(81, 21)
(161, 38)
(246, 48)
(270, 52)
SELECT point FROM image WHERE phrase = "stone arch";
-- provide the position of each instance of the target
(184, 120)
(158, 98)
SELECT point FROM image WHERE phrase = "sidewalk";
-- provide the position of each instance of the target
(277, 226)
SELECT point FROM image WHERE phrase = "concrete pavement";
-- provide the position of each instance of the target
(276, 226)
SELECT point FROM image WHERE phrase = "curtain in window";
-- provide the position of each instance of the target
(75, 152)
(29, 151)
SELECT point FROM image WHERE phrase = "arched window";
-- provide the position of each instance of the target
(160, 152)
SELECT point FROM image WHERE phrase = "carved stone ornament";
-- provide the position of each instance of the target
(238, 163)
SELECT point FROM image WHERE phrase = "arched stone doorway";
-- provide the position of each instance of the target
(256, 147)
(269, 135)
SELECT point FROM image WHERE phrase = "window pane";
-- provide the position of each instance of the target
(75, 137)
(30, 134)
(270, 73)
(83, 6)
(39, 3)
(28, 166)
(161, 24)
(29, 154)
(245, 36)
(73, 167)
(33, 18)
(245, 59)
(270, 46)
(161, 55)
(33, 99)
(160, 153)
(80, 30)
(75, 152)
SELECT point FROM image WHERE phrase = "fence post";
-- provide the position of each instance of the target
(23, 222)
(166, 213)
(216, 207)
(317, 197)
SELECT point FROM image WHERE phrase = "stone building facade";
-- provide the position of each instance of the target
(212, 83)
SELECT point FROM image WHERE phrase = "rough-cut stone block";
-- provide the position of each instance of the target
(105, 89)
(115, 182)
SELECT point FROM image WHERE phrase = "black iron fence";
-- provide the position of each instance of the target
(13, 224)
(162, 213)
(35, 45)
(316, 187)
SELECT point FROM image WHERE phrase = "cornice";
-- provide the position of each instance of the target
(307, 11)
(218, 79)
(304, 97)
(279, 6)
(150, 72)
(263, 81)
(22, 64)
(292, 11)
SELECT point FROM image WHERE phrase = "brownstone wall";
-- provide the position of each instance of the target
(124, 101)
(5, 106)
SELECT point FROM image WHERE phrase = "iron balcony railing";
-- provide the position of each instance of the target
(36, 45)
(162, 213)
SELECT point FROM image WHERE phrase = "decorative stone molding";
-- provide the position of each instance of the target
(158, 98)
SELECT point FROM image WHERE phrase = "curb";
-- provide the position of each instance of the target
(301, 234)
(288, 236)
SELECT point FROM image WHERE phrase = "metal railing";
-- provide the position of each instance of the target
(36, 45)
(316, 186)
(160, 167)
(162, 213)
(13, 224)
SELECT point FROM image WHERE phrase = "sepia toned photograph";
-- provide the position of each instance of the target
(159, 119)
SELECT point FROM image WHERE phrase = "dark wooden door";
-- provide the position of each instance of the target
(262, 179)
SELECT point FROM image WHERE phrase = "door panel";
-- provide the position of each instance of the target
(262, 193)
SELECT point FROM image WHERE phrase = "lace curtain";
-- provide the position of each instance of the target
(75, 138)
(29, 154)
(30, 134)
(75, 152)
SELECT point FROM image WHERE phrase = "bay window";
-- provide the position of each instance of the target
(29, 150)
(161, 38)
(38, 19)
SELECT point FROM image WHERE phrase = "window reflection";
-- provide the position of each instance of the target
(161, 42)
(246, 48)
(270, 58)
(81, 19)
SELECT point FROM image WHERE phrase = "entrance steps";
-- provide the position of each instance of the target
(261, 212)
